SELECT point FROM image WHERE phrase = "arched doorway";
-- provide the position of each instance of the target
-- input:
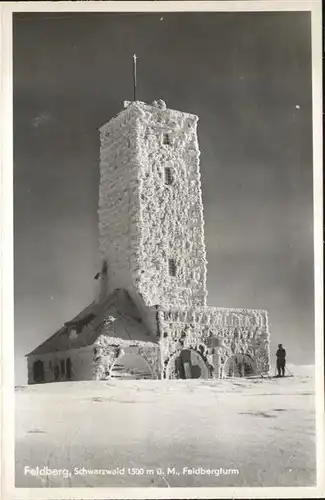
(131, 367)
(186, 364)
(239, 365)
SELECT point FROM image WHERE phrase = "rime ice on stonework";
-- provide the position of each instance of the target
(149, 317)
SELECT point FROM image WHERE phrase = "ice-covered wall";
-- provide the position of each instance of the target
(108, 350)
(241, 331)
(118, 208)
(171, 210)
(148, 217)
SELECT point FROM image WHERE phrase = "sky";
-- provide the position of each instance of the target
(248, 78)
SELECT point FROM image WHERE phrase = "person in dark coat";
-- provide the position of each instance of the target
(280, 360)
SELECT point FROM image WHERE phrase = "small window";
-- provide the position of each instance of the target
(172, 267)
(62, 366)
(168, 176)
(166, 139)
(104, 268)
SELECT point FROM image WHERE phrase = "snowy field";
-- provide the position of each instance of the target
(261, 431)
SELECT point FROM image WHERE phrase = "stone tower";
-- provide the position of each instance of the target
(150, 319)
(151, 234)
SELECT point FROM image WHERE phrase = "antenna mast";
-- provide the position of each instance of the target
(134, 77)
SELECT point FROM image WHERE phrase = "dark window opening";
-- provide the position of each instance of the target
(68, 368)
(166, 139)
(38, 371)
(168, 176)
(62, 365)
(56, 372)
(172, 267)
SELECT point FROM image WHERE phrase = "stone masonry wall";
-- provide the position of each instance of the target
(118, 209)
(171, 215)
(144, 222)
(107, 350)
(242, 331)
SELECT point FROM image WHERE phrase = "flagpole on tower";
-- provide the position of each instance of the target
(134, 77)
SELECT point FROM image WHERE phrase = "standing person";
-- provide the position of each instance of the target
(280, 360)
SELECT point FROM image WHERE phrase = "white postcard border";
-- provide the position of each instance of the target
(7, 302)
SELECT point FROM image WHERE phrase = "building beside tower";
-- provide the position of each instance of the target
(149, 318)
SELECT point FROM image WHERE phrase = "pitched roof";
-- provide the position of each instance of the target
(116, 317)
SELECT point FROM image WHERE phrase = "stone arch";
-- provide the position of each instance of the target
(186, 363)
(152, 357)
(131, 366)
(239, 365)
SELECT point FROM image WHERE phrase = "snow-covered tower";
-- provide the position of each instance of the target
(151, 234)
(150, 317)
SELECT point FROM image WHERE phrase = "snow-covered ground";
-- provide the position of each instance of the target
(264, 428)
